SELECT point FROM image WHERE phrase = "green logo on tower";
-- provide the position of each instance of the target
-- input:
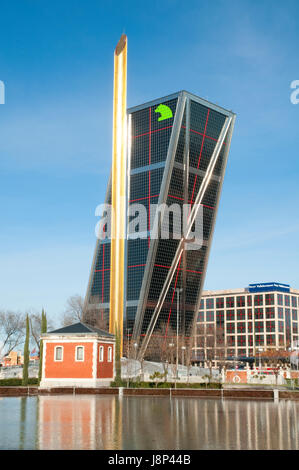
(165, 112)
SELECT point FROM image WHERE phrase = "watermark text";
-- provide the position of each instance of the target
(2, 92)
(295, 94)
(155, 221)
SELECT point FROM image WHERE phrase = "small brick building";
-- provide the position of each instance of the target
(77, 355)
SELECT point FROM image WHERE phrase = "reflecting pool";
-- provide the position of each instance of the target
(112, 422)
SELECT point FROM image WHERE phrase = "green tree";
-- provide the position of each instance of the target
(41, 347)
(26, 353)
(117, 357)
(157, 376)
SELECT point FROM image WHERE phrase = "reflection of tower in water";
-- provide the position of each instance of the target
(97, 422)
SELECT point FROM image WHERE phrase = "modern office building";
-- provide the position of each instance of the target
(177, 154)
(244, 322)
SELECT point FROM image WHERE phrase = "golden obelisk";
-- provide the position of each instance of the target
(118, 190)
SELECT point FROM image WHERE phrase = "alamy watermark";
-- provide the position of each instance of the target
(2, 92)
(295, 94)
(155, 222)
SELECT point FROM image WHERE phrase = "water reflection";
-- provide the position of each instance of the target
(22, 422)
(110, 422)
(87, 422)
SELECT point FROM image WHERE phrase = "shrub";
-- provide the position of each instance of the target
(17, 382)
(152, 384)
(118, 383)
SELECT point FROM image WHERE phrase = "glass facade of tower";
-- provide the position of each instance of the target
(172, 160)
(149, 148)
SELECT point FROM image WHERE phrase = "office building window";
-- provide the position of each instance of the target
(259, 326)
(281, 340)
(210, 329)
(258, 313)
(269, 299)
(294, 315)
(210, 315)
(230, 315)
(241, 301)
(259, 340)
(210, 303)
(230, 302)
(270, 312)
(280, 312)
(241, 352)
(241, 314)
(270, 326)
(258, 299)
(220, 318)
(200, 316)
(288, 325)
(241, 327)
(270, 340)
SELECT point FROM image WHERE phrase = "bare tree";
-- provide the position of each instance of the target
(275, 358)
(12, 330)
(74, 310)
(189, 350)
(36, 326)
(96, 318)
(75, 313)
(213, 346)
(163, 347)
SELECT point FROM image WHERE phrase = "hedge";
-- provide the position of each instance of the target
(15, 382)
(166, 385)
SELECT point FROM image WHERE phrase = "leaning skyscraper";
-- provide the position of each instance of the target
(176, 154)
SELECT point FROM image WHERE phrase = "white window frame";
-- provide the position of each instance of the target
(101, 354)
(55, 349)
(76, 359)
(109, 354)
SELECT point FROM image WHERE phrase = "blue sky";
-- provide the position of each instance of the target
(56, 60)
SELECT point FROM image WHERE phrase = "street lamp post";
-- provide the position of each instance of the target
(171, 345)
(177, 333)
(260, 359)
(183, 355)
(128, 359)
(135, 346)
